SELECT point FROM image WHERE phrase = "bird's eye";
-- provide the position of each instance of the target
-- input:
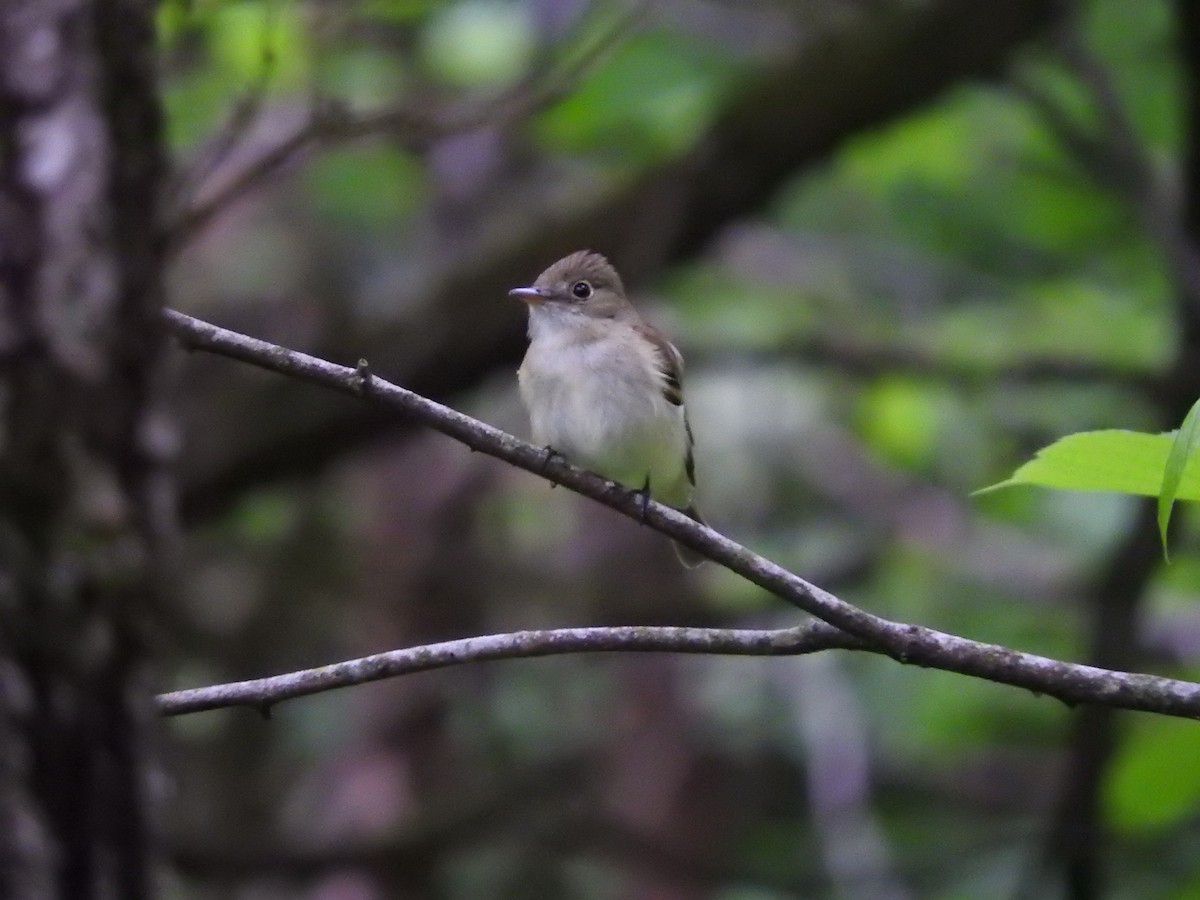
(581, 289)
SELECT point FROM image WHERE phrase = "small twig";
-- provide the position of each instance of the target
(363, 371)
(195, 214)
(913, 644)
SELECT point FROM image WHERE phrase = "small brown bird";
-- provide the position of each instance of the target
(604, 388)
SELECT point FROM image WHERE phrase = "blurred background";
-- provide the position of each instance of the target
(902, 244)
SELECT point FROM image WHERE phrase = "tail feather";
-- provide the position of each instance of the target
(689, 557)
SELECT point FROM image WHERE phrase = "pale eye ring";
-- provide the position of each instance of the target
(581, 290)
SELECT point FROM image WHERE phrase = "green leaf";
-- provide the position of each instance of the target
(1125, 462)
(1182, 450)
(899, 417)
(249, 39)
(479, 42)
(375, 185)
(1154, 784)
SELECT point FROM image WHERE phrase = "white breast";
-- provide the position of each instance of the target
(599, 401)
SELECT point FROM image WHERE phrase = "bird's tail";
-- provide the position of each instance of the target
(688, 556)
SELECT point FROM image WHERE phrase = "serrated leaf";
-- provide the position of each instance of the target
(1182, 450)
(1124, 462)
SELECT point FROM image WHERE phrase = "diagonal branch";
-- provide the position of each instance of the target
(244, 114)
(1113, 155)
(911, 644)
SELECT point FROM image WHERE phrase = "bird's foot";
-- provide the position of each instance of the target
(550, 454)
(644, 494)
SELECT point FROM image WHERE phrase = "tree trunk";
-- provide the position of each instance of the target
(83, 497)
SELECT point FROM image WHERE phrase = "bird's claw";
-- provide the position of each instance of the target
(644, 494)
(550, 454)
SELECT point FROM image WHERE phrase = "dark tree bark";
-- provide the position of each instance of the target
(83, 499)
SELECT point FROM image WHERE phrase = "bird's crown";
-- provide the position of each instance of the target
(583, 265)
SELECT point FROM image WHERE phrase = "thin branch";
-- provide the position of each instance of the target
(912, 644)
(244, 115)
(863, 359)
(330, 121)
(262, 693)
(1113, 155)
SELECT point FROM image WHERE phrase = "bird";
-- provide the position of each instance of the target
(604, 388)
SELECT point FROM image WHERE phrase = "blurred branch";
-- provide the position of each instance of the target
(910, 644)
(329, 121)
(243, 116)
(860, 359)
(1113, 156)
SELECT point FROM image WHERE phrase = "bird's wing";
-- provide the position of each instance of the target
(670, 363)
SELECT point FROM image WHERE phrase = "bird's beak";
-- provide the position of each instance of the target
(530, 295)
